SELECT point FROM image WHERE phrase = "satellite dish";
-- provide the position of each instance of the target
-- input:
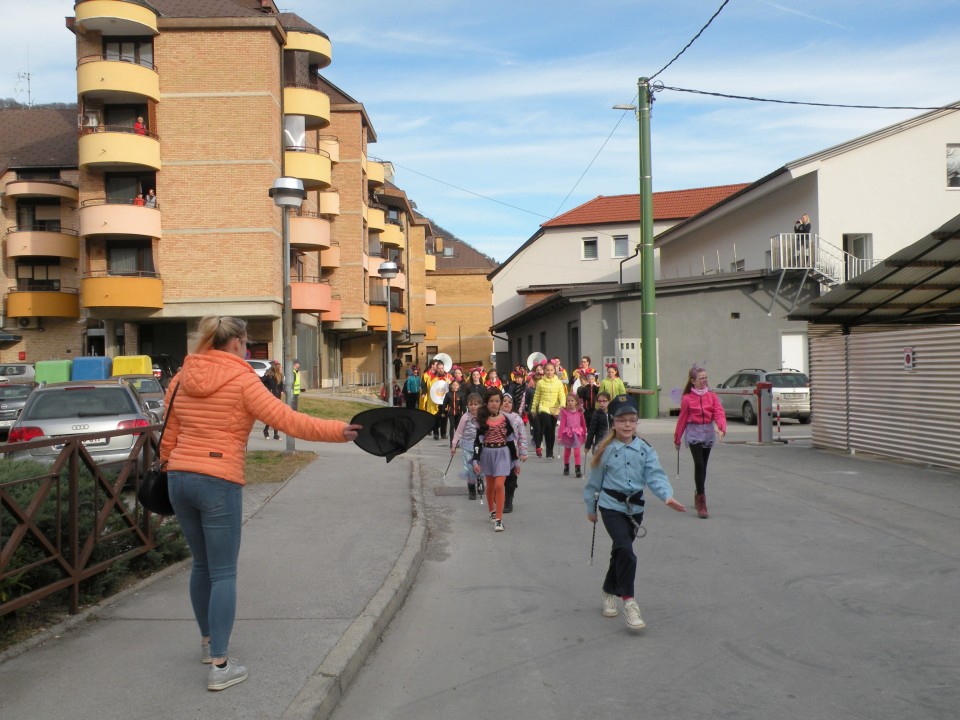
(438, 390)
(534, 359)
(445, 359)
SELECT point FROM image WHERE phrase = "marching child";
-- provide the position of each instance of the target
(495, 453)
(600, 423)
(510, 484)
(453, 407)
(467, 433)
(587, 392)
(622, 467)
(571, 432)
(493, 380)
(612, 385)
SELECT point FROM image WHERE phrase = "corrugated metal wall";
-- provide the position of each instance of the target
(893, 411)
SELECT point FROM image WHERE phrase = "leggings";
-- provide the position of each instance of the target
(700, 456)
(548, 430)
(496, 495)
(576, 455)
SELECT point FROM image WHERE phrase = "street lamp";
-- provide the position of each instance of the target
(388, 271)
(287, 193)
(649, 402)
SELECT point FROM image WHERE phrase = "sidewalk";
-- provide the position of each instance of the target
(326, 560)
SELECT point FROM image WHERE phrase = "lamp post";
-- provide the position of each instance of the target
(287, 193)
(388, 271)
(649, 402)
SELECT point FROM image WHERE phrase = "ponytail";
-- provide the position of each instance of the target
(598, 452)
(214, 332)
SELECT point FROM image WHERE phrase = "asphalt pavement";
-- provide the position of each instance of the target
(329, 557)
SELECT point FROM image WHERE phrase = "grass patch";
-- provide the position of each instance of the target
(332, 409)
(274, 466)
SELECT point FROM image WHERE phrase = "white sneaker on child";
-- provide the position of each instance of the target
(631, 613)
(610, 608)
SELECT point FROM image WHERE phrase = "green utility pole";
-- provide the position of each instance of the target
(649, 403)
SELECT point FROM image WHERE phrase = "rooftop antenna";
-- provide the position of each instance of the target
(25, 77)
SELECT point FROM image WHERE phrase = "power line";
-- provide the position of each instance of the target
(659, 87)
(693, 40)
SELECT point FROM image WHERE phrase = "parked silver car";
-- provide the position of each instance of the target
(12, 399)
(17, 373)
(791, 391)
(77, 408)
(150, 389)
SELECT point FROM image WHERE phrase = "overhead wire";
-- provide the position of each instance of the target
(730, 96)
(692, 40)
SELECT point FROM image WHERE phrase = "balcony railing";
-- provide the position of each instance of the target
(808, 251)
(119, 201)
(126, 129)
(114, 58)
(41, 286)
(41, 228)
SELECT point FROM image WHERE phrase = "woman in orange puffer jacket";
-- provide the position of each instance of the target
(204, 449)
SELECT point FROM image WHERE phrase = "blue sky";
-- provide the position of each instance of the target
(512, 100)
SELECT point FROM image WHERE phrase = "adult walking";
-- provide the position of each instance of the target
(412, 388)
(700, 410)
(273, 380)
(204, 450)
(296, 385)
(548, 398)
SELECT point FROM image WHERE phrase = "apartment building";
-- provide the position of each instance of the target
(161, 215)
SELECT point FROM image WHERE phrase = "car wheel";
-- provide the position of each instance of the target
(749, 416)
(804, 419)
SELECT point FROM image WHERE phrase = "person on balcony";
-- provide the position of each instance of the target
(151, 199)
(139, 201)
(138, 127)
(802, 226)
(804, 247)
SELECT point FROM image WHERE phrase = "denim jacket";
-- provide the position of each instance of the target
(626, 469)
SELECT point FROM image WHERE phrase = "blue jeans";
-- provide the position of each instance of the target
(210, 511)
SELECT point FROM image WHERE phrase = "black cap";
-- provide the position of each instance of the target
(388, 431)
(622, 405)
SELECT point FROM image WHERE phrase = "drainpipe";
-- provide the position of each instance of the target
(636, 251)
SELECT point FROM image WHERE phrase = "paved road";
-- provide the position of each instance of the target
(823, 586)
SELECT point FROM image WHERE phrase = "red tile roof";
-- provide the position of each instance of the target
(668, 205)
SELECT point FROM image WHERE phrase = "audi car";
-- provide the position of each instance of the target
(150, 389)
(60, 410)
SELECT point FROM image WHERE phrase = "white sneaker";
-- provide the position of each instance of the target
(631, 613)
(498, 526)
(222, 678)
(493, 516)
(610, 608)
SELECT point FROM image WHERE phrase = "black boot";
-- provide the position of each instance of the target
(508, 502)
(266, 432)
(566, 468)
(276, 436)
(579, 474)
(473, 491)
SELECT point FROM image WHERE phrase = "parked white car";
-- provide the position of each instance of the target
(791, 392)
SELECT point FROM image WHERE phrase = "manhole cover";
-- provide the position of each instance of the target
(448, 490)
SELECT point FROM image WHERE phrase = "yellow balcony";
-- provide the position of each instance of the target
(309, 102)
(43, 303)
(122, 291)
(116, 80)
(308, 164)
(378, 319)
(104, 216)
(309, 232)
(335, 313)
(429, 262)
(331, 145)
(376, 220)
(118, 148)
(431, 331)
(310, 295)
(330, 257)
(329, 202)
(115, 17)
(42, 188)
(375, 175)
(318, 46)
(430, 296)
(32, 242)
(393, 235)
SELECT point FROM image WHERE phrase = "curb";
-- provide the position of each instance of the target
(321, 694)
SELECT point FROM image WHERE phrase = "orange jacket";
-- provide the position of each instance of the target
(220, 396)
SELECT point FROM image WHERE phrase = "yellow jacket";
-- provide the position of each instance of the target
(220, 396)
(550, 396)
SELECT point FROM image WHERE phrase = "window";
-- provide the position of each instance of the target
(132, 257)
(589, 249)
(38, 214)
(621, 247)
(38, 274)
(953, 165)
(124, 187)
(132, 51)
(738, 266)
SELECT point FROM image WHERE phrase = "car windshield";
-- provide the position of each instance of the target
(15, 392)
(80, 402)
(788, 379)
(13, 370)
(146, 385)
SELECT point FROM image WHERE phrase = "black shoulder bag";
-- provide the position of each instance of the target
(152, 493)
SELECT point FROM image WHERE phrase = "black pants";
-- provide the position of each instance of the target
(411, 399)
(535, 429)
(548, 430)
(700, 456)
(454, 420)
(623, 561)
(439, 426)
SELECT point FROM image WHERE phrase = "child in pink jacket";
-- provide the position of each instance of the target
(571, 432)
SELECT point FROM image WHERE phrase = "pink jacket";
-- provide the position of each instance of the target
(700, 410)
(572, 425)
